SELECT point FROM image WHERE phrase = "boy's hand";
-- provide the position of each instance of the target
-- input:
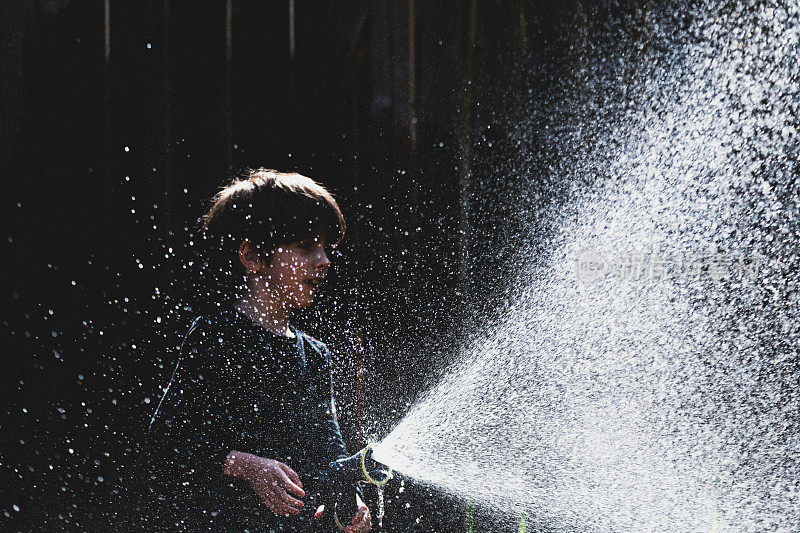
(270, 479)
(362, 521)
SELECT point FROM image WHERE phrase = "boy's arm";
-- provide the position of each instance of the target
(332, 436)
(192, 439)
(332, 433)
(188, 439)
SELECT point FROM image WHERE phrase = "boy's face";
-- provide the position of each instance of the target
(295, 272)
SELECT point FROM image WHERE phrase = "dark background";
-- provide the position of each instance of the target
(121, 119)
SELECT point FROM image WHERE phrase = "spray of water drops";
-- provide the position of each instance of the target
(645, 377)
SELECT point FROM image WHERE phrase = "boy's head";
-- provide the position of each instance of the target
(267, 209)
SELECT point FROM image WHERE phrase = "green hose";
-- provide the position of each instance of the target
(367, 477)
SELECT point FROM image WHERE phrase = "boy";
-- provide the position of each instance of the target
(243, 435)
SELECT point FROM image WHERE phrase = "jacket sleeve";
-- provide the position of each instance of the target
(331, 434)
(189, 438)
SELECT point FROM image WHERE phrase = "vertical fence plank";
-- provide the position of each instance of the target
(165, 100)
(412, 126)
(106, 143)
(465, 145)
(228, 89)
(107, 30)
(291, 30)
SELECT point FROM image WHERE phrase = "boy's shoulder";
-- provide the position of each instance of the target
(210, 327)
(198, 329)
(199, 325)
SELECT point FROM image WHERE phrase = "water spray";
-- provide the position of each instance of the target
(361, 467)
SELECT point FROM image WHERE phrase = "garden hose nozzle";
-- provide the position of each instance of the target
(363, 467)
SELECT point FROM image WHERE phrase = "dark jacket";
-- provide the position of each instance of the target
(238, 387)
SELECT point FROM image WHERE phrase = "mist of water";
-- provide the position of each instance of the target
(646, 377)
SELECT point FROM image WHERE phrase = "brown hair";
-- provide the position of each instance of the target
(268, 208)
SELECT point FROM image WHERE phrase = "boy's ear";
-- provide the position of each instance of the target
(248, 256)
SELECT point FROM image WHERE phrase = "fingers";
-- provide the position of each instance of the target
(318, 512)
(290, 481)
(291, 474)
(359, 515)
(282, 509)
(288, 500)
(361, 522)
(367, 522)
(272, 481)
(279, 503)
(277, 499)
(289, 486)
(363, 527)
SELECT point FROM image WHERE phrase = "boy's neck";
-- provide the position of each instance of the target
(274, 319)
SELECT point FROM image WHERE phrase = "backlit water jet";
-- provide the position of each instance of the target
(645, 376)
